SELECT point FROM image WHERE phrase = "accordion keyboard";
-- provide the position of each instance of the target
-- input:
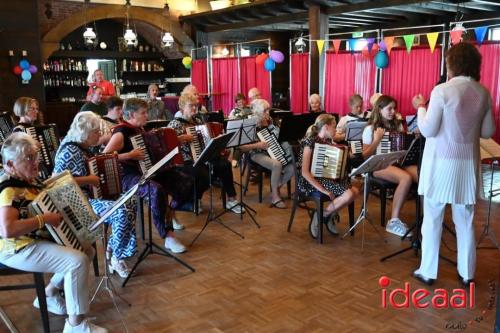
(138, 142)
(275, 150)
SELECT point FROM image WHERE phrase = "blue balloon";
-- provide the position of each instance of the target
(24, 64)
(269, 65)
(381, 59)
(26, 75)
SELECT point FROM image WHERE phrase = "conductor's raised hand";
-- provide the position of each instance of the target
(418, 100)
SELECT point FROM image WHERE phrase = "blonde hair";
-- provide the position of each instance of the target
(16, 146)
(186, 99)
(253, 92)
(22, 106)
(83, 124)
(190, 89)
(374, 98)
(321, 120)
(355, 99)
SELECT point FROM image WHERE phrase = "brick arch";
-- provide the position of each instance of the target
(50, 41)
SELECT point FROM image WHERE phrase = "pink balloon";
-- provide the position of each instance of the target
(33, 69)
(277, 56)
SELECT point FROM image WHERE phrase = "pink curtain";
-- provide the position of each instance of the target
(199, 75)
(225, 83)
(410, 74)
(347, 74)
(253, 75)
(490, 78)
(299, 88)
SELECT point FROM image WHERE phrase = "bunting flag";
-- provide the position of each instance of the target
(389, 41)
(480, 33)
(352, 44)
(409, 41)
(336, 45)
(369, 43)
(320, 43)
(432, 39)
(456, 36)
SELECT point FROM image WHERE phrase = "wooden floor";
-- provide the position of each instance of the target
(274, 281)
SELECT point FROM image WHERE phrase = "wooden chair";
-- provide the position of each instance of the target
(38, 284)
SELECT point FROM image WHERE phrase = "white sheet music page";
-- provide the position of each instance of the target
(489, 149)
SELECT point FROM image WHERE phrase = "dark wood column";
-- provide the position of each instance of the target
(318, 27)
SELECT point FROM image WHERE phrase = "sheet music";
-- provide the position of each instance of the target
(354, 130)
(489, 149)
(378, 162)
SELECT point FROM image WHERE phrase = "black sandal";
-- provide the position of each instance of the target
(280, 204)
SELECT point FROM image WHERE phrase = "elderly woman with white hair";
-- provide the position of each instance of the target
(156, 107)
(72, 155)
(21, 246)
(27, 110)
(258, 153)
(315, 104)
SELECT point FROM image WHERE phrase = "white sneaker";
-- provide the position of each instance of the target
(55, 305)
(397, 227)
(119, 266)
(234, 206)
(200, 209)
(84, 327)
(176, 225)
(173, 244)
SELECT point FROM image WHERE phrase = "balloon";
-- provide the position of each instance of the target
(269, 65)
(26, 75)
(382, 45)
(24, 64)
(186, 61)
(277, 56)
(381, 59)
(188, 66)
(17, 70)
(33, 69)
(261, 58)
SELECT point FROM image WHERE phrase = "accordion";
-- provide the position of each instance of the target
(63, 195)
(356, 146)
(329, 161)
(202, 134)
(106, 167)
(48, 138)
(157, 144)
(275, 150)
(391, 142)
(6, 126)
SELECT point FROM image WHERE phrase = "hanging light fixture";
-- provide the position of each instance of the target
(89, 36)
(225, 52)
(129, 36)
(300, 45)
(167, 40)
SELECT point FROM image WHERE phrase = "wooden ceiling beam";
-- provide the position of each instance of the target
(357, 19)
(258, 22)
(380, 4)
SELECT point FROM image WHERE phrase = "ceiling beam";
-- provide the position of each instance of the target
(371, 5)
(259, 22)
(356, 19)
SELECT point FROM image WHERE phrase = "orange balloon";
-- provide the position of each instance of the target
(261, 58)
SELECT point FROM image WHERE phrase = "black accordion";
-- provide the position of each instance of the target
(275, 150)
(6, 126)
(48, 137)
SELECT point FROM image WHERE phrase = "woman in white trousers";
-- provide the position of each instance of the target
(459, 113)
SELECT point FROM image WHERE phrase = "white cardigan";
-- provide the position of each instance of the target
(459, 114)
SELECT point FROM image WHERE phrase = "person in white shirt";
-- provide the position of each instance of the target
(459, 113)
(356, 114)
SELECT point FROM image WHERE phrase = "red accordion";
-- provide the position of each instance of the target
(202, 135)
(156, 144)
(106, 167)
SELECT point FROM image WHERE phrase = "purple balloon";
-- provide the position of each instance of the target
(33, 69)
(277, 56)
(382, 46)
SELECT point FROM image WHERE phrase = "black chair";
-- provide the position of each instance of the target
(319, 200)
(38, 284)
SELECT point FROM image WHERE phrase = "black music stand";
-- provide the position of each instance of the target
(374, 163)
(244, 133)
(150, 245)
(294, 127)
(211, 152)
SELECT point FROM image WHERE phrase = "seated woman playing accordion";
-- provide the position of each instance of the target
(222, 167)
(338, 190)
(383, 119)
(171, 181)
(73, 155)
(21, 246)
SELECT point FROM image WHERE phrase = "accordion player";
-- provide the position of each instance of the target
(329, 161)
(156, 144)
(63, 195)
(202, 134)
(106, 167)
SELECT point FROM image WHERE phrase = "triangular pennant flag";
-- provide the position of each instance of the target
(320, 43)
(456, 36)
(389, 41)
(352, 44)
(432, 39)
(336, 45)
(409, 41)
(480, 33)
(369, 43)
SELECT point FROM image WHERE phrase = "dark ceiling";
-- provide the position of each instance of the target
(343, 15)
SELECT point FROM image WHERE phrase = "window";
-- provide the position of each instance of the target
(495, 33)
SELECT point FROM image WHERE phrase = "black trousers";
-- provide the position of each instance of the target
(222, 170)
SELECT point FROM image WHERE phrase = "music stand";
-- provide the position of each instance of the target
(211, 152)
(244, 131)
(150, 245)
(374, 163)
(294, 127)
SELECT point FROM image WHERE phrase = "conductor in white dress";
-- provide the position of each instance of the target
(459, 113)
